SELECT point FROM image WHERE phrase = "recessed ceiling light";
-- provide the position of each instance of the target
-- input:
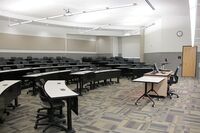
(127, 34)
(135, 4)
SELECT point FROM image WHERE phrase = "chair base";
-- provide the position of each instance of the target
(48, 122)
(171, 93)
(1, 120)
(55, 125)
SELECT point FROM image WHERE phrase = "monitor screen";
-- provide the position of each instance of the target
(155, 68)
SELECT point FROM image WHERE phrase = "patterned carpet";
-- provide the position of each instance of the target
(111, 109)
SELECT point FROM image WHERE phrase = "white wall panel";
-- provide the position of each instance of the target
(115, 47)
(162, 37)
(131, 47)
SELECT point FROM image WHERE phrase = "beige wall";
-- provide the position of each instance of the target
(81, 45)
(36, 43)
(24, 42)
(104, 44)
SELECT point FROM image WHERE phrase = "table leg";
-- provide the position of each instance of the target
(139, 99)
(16, 102)
(34, 88)
(151, 100)
(117, 79)
(77, 89)
(147, 95)
(69, 117)
(153, 89)
(91, 85)
(81, 86)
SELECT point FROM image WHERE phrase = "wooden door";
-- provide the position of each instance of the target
(189, 61)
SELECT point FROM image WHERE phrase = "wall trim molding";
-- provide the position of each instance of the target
(44, 51)
(16, 33)
(163, 52)
(132, 57)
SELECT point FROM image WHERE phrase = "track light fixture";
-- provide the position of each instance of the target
(68, 13)
(149, 3)
(67, 10)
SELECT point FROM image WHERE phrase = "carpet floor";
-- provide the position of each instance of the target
(112, 109)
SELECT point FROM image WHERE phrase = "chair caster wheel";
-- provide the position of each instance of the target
(7, 113)
(35, 127)
(1, 121)
(153, 105)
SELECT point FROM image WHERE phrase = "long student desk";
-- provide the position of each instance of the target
(12, 66)
(34, 64)
(115, 65)
(107, 74)
(99, 63)
(79, 66)
(56, 89)
(83, 77)
(43, 69)
(125, 70)
(152, 80)
(162, 87)
(9, 91)
(55, 75)
(139, 71)
(94, 76)
(14, 74)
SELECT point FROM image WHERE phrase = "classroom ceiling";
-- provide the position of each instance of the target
(126, 18)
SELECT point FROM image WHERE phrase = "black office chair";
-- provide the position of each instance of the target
(173, 80)
(51, 106)
(40, 84)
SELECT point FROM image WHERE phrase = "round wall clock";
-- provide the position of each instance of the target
(179, 33)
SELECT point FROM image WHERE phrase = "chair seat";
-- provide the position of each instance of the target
(56, 104)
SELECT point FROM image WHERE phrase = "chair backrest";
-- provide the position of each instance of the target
(176, 75)
(176, 71)
(174, 78)
(42, 93)
(40, 85)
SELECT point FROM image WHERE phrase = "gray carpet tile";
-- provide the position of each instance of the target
(112, 109)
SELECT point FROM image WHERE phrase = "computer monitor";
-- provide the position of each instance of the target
(155, 68)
